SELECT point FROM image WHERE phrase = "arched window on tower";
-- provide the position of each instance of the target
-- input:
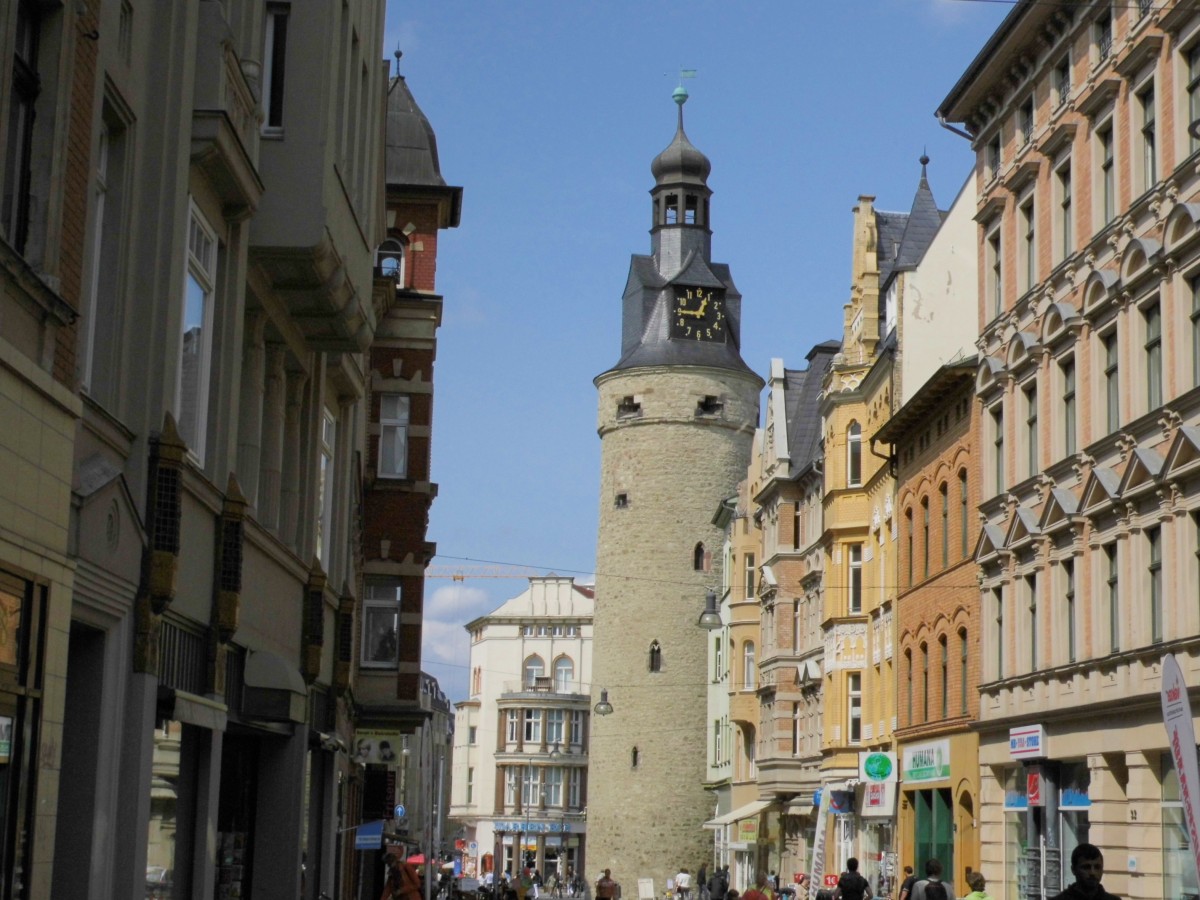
(698, 558)
(535, 668)
(655, 657)
(389, 261)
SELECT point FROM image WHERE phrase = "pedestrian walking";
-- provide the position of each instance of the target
(851, 885)
(606, 888)
(718, 885)
(702, 882)
(683, 884)
(933, 875)
(759, 891)
(906, 886)
(1087, 865)
(977, 883)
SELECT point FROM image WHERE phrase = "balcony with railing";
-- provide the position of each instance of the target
(545, 686)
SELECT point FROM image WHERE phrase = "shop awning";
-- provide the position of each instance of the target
(742, 812)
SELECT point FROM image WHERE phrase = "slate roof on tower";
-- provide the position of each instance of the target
(410, 152)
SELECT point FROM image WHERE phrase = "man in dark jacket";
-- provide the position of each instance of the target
(717, 885)
(1087, 865)
(852, 886)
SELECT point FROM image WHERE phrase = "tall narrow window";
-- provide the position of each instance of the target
(749, 668)
(1103, 30)
(963, 671)
(1152, 317)
(1196, 330)
(796, 508)
(908, 684)
(275, 54)
(1149, 151)
(964, 514)
(1062, 81)
(1066, 233)
(854, 695)
(945, 498)
(196, 350)
(393, 435)
(1068, 406)
(1025, 114)
(564, 674)
(998, 604)
(854, 455)
(326, 488)
(924, 682)
(1031, 594)
(925, 538)
(750, 573)
(993, 157)
(1031, 430)
(470, 783)
(18, 141)
(1114, 598)
(535, 668)
(1193, 93)
(995, 261)
(1154, 554)
(1068, 569)
(555, 726)
(908, 540)
(1108, 174)
(1112, 383)
(698, 560)
(998, 447)
(655, 657)
(945, 674)
(795, 729)
(856, 583)
(1028, 245)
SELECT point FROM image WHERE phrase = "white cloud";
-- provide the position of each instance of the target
(444, 642)
(457, 601)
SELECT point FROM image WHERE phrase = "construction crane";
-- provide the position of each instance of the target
(462, 573)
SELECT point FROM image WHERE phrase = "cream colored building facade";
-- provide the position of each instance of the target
(1090, 357)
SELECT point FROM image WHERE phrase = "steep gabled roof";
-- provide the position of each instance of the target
(924, 220)
(803, 398)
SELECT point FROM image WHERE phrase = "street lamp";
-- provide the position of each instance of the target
(556, 751)
(603, 708)
(710, 619)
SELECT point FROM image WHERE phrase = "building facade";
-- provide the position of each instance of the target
(522, 746)
(680, 383)
(1087, 381)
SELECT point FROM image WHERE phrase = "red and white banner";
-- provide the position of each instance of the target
(1181, 735)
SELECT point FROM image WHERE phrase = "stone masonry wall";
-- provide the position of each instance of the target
(673, 467)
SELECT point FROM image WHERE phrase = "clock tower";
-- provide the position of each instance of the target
(676, 421)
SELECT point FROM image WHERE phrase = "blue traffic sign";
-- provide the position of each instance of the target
(400, 810)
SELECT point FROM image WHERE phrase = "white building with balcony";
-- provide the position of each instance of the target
(519, 788)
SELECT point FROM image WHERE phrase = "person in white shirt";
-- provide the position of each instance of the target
(683, 884)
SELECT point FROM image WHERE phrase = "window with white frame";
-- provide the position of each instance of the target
(997, 426)
(854, 697)
(855, 595)
(275, 56)
(564, 673)
(325, 488)
(555, 725)
(381, 626)
(470, 783)
(512, 782)
(1112, 380)
(1067, 375)
(389, 261)
(576, 728)
(533, 726)
(512, 730)
(1028, 226)
(1152, 327)
(574, 787)
(1066, 224)
(195, 357)
(1145, 106)
(750, 576)
(718, 666)
(535, 667)
(749, 669)
(854, 455)
(393, 435)
(552, 789)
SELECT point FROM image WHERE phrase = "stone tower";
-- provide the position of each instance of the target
(676, 421)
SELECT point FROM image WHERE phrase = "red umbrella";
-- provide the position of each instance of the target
(417, 859)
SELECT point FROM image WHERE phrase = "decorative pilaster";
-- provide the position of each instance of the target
(253, 394)
(289, 529)
(272, 439)
(227, 581)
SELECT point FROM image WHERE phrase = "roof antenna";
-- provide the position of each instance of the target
(399, 53)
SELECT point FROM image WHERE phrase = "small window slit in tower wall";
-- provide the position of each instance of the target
(709, 406)
(655, 657)
(633, 758)
(629, 407)
(621, 501)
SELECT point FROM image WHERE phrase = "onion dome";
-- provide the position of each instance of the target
(681, 161)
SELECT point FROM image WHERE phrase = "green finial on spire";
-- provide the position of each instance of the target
(680, 94)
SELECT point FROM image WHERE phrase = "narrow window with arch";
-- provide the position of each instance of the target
(389, 261)
(854, 455)
(945, 673)
(925, 538)
(963, 669)
(634, 758)
(699, 558)
(535, 668)
(655, 657)
(564, 674)
(944, 491)
(964, 513)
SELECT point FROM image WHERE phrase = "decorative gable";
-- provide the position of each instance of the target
(1100, 492)
(1060, 506)
(990, 545)
(1183, 458)
(1022, 529)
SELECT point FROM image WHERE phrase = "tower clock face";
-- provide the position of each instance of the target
(698, 314)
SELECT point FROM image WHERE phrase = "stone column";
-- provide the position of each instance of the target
(250, 424)
(272, 439)
(290, 486)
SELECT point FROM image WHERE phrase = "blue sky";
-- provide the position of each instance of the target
(548, 113)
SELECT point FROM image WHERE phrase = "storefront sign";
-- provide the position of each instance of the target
(927, 762)
(878, 800)
(747, 831)
(877, 768)
(531, 827)
(841, 803)
(1027, 742)
(1033, 787)
(1181, 735)
(369, 836)
(377, 746)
